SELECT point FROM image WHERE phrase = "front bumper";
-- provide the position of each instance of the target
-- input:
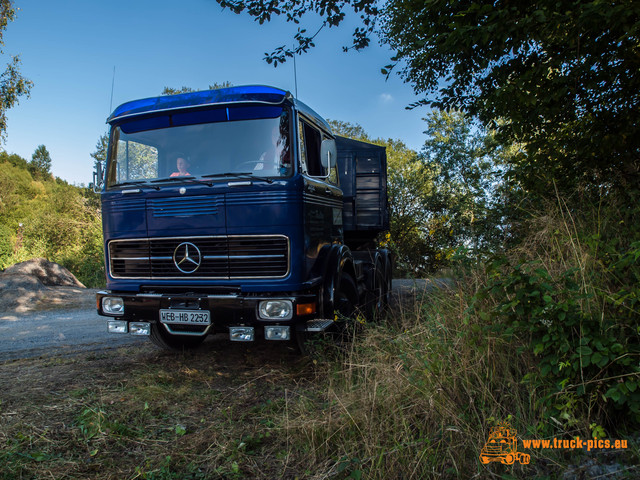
(227, 311)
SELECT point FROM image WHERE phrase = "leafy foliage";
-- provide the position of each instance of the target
(562, 77)
(466, 167)
(100, 154)
(574, 296)
(45, 217)
(12, 84)
(332, 13)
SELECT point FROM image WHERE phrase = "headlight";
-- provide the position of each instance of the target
(275, 309)
(117, 326)
(277, 333)
(113, 305)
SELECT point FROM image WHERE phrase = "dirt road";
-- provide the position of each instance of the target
(80, 329)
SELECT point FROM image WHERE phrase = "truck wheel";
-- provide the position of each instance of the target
(375, 295)
(163, 339)
(509, 459)
(346, 297)
(346, 311)
(388, 275)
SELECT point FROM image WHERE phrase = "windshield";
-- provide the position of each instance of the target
(202, 144)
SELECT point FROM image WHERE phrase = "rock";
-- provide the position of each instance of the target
(48, 273)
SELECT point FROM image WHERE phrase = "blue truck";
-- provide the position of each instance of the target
(238, 211)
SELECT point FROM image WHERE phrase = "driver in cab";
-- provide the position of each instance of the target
(182, 164)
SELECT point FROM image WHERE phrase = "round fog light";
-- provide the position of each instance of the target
(276, 309)
(113, 305)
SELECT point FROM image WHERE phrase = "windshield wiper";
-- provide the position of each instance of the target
(137, 183)
(182, 178)
(174, 179)
(238, 175)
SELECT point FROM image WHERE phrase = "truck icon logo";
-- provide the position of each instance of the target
(187, 257)
(502, 447)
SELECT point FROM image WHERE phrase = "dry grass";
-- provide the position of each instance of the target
(145, 414)
(415, 398)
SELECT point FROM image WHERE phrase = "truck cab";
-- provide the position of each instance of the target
(223, 212)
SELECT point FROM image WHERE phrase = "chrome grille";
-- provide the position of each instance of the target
(223, 257)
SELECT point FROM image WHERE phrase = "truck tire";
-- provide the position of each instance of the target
(345, 297)
(388, 275)
(165, 340)
(374, 299)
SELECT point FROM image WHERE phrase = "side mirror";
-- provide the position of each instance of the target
(98, 177)
(328, 153)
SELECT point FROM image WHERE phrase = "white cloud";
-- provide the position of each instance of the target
(386, 97)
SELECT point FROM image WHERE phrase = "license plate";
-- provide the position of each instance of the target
(186, 317)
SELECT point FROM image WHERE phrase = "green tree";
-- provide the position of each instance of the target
(348, 129)
(13, 159)
(40, 164)
(561, 75)
(413, 216)
(442, 198)
(100, 154)
(49, 218)
(12, 84)
(467, 175)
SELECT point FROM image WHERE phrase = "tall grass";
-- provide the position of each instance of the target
(415, 397)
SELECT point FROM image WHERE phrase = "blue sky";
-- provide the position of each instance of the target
(69, 50)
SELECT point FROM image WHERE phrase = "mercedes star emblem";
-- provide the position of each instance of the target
(187, 257)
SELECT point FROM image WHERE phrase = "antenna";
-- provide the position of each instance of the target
(295, 73)
(113, 81)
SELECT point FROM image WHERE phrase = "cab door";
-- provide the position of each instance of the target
(322, 197)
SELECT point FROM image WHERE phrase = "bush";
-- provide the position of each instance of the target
(571, 293)
(7, 244)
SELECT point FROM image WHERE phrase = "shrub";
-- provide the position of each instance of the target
(571, 293)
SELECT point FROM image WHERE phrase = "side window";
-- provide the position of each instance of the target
(310, 143)
(310, 147)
